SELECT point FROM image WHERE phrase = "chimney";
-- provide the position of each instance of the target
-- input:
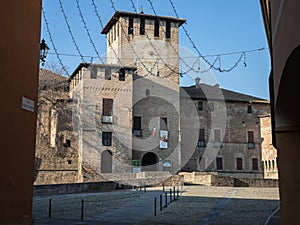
(197, 79)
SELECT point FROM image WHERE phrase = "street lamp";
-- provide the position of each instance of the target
(43, 51)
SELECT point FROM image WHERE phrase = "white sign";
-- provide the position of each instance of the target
(163, 136)
(27, 104)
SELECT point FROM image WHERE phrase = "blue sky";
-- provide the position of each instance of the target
(215, 26)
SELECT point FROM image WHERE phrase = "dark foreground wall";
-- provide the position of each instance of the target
(19, 63)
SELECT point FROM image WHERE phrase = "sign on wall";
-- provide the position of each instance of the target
(163, 139)
(27, 104)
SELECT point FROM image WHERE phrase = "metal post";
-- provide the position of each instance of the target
(170, 195)
(166, 199)
(174, 194)
(50, 207)
(82, 209)
(160, 202)
(177, 192)
(155, 206)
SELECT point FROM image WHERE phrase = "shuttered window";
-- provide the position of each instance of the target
(107, 106)
(137, 123)
(255, 164)
(168, 29)
(106, 138)
(163, 123)
(142, 26)
(156, 28)
(201, 135)
(217, 133)
(250, 136)
(239, 163)
(219, 161)
(130, 25)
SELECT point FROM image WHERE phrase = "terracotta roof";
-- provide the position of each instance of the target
(215, 93)
(119, 14)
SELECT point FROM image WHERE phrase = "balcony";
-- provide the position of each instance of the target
(217, 144)
(201, 143)
(107, 119)
(251, 145)
(137, 133)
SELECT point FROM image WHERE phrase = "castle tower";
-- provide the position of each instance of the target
(147, 42)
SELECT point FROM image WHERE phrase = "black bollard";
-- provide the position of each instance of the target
(160, 202)
(82, 209)
(155, 206)
(166, 199)
(177, 193)
(174, 193)
(170, 195)
(50, 200)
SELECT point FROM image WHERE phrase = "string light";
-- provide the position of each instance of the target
(52, 42)
(87, 30)
(70, 31)
(199, 53)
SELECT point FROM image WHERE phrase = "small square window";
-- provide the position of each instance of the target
(69, 162)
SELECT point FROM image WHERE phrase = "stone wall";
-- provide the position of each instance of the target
(215, 179)
(242, 182)
(52, 189)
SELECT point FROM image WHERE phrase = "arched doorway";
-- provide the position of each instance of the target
(150, 162)
(106, 162)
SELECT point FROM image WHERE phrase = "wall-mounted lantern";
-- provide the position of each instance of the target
(43, 51)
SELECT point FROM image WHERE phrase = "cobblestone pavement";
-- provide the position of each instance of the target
(197, 205)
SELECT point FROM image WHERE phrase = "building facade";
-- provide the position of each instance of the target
(130, 116)
(242, 147)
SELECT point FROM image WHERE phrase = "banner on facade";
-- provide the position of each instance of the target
(163, 136)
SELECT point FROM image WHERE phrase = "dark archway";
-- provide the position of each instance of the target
(150, 162)
(106, 162)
